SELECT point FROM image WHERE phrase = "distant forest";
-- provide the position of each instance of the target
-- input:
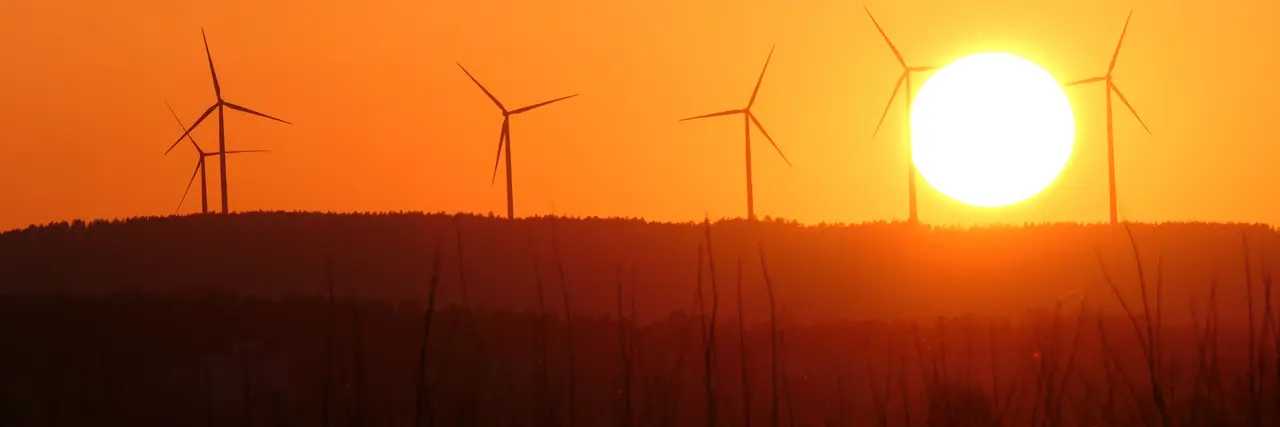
(821, 273)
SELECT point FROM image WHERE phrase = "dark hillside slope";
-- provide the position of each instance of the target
(858, 271)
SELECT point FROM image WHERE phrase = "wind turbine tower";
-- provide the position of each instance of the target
(748, 119)
(221, 105)
(504, 137)
(1110, 87)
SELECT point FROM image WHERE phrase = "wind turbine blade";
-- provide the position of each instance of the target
(1116, 55)
(239, 108)
(486, 91)
(521, 110)
(182, 126)
(502, 138)
(189, 182)
(922, 69)
(770, 138)
(217, 88)
(1131, 110)
(247, 151)
(886, 38)
(1088, 80)
(896, 87)
(193, 126)
(722, 113)
(755, 91)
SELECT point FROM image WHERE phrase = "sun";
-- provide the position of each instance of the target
(991, 129)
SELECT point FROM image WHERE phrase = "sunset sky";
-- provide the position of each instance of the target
(384, 119)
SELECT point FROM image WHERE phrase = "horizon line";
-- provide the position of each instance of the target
(767, 219)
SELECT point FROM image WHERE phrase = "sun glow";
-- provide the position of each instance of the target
(991, 129)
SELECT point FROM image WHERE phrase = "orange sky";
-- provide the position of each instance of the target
(386, 121)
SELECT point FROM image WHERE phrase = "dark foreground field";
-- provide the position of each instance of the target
(228, 320)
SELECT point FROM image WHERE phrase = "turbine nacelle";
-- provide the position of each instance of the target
(216, 106)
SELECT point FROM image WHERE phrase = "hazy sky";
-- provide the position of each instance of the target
(384, 119)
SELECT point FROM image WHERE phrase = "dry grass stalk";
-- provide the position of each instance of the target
(544, 407)
(328, 347)
(669, 390)
(422, 403)
(357, 362)
(995, 368)
(880, 399)
(1113, 367)
(1147, 340)
(1061, 391)
(906, 390)
(625, 352)
(742, 345)
(466, 409)
(635, 341)
(842, 415)
(786, 385)
(568, 325)
(773, 338)
(246, 386)
(1254, 360)
(1202, 406)
(709, 343)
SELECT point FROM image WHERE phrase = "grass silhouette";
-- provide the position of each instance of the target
(130, 335)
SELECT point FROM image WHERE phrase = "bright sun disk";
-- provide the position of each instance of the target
(991, 129)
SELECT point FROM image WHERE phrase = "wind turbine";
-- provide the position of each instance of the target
(200, 168)
(220, 105)
(747, 120)
(505, 137)
(903, 80)
(1110, 88)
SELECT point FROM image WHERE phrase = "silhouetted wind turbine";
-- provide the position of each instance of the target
(504, 137)
(1110, 88)
(903, 80)
(222, 136)
(747, 120)
(200, 167)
